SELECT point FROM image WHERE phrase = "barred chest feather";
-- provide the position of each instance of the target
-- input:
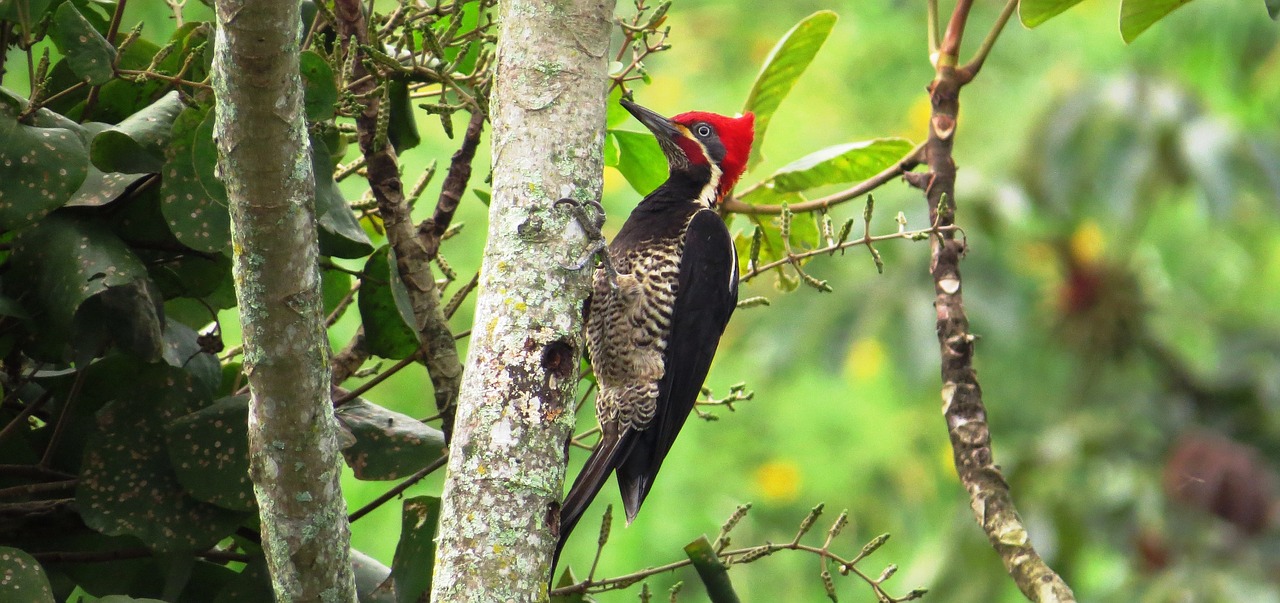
(628, 328)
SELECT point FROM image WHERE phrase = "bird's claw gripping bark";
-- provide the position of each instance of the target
(591, 225)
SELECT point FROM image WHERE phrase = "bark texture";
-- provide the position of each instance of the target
(265, 162)
(440, 352)
(516, 409)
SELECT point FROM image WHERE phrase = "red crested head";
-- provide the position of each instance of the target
(698, 138)
(733, 136)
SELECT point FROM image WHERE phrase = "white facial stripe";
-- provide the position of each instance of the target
(707, 197)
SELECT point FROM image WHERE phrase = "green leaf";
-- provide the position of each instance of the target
(182, 350)
(402, 128)
(851, 162)
(1035, 12)
(388, 445)
(100, 188)
(252, 584)
(640, 160)
(1273, 9)
(616, 114)
(59, 264)
(127, 484)
(784, 65)
(385, 310)
(136, 145)
(22, 578)
(339, 231)
(209, 451)
(320, 93)
(416, 552)
(1137, 15)
(612, 154)
(29, 11)
(714, 575)
(197, 215)
(88, 54)
(41, 166)
(567, 579)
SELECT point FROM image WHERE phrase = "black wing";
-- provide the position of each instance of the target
(706, 297)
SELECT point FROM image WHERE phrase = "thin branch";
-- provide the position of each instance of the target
(395, 491)
(971, 69)
(949, 51)
(379, 378)
(60, 427)
(26, 490)
(908, 161)
(455, 184)
(912, 235)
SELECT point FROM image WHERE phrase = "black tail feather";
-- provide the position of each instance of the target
(585, 487)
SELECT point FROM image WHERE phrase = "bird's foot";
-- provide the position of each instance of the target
(591, 225)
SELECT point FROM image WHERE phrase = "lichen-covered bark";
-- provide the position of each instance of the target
(265, 162)
(515, 412)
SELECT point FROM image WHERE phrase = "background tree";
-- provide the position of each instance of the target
(1120, 241)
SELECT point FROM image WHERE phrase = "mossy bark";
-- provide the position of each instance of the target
(516, 409)
(265, 163)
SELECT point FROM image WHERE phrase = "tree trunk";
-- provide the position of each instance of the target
(506, 461)
(265, 162)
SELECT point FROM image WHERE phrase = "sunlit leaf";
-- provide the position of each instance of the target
(640, 160)
(1035, 12)
(784, 65)
(1137, 15)
(851, 162)
(616, 113)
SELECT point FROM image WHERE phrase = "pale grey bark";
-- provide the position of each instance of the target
(265, 162)
(515, 412)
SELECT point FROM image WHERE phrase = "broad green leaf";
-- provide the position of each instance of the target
(385, 310)
(851, 162)
(713, 573)
(88, 54)
(128, 317)
(127, 484)
(1273, 9)
(196, 215)
(41, 165)
(59, 264)
(136, 145)
(611, 151)
(1035, 12)
(388, 445)
(28, 12)
(784, 65)
(209, 451)
(320, 93)
(616, 114)
(1137, 15)
(416, 551)
(22, 578)
(182, 350)
(338, 229)
(402, 126)
(640, 160)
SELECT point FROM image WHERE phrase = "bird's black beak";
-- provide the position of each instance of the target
(666, 131)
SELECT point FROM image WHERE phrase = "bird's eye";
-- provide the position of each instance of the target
(703, 130)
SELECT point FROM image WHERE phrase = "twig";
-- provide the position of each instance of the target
(971, 69)
(451, 191)
(60, 427)
(395, 491)
(913, 235)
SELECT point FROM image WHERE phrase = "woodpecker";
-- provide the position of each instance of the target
(654, 323)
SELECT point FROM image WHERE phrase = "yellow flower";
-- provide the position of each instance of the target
(778, 480)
